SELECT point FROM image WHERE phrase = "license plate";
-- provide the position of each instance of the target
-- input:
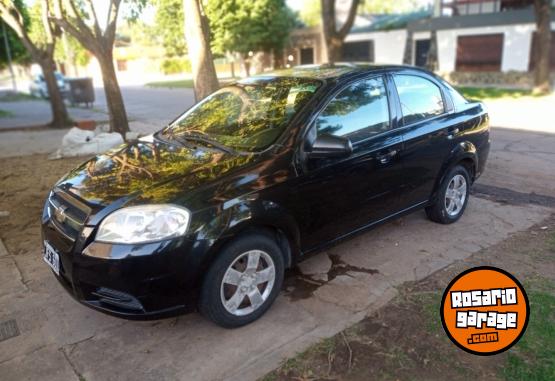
(51, 257)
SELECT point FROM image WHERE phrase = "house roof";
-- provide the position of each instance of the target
(392, 21)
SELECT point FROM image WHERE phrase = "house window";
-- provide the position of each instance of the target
(535, 50)
(360, 51)
(479, 52)
(422, 48)
(122, 65)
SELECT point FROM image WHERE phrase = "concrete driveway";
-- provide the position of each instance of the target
(62, 340)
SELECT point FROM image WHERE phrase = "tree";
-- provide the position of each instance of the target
(542, 9)
(245, 26)
(16, 48)
(333, 37)
(169, 26)
(79, 19)
(40, 42)
(197, 33)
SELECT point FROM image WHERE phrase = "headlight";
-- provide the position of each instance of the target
(147, 223)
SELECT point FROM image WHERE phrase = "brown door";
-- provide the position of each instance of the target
(479, 53)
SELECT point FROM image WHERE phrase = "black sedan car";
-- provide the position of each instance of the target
(209, 212)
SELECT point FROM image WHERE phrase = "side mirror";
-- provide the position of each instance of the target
(328, 146)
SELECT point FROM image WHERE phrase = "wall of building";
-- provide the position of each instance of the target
(517, 43)
(389, 46)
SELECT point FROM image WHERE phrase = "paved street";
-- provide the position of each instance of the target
(62, 340)
(150, 106)
(149, 110)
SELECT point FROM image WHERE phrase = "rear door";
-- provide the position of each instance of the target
(429, 133)
(342, 195)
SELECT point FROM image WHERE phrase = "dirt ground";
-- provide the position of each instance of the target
(25, 182)
(405, 340)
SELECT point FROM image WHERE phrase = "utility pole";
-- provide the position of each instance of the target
(9, 55)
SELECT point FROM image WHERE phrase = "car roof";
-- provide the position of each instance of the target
(337, 71)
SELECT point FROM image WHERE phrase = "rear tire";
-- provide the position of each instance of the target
(243, 281)
(451, 198)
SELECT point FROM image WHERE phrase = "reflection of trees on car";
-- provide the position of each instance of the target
(249, 115)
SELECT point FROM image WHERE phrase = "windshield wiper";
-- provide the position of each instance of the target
(206, 140)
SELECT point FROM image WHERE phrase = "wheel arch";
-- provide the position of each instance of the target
(464, 153)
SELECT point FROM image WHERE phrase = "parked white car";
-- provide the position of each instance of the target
(38, 86)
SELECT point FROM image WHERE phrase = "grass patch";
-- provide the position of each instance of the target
(5, 114)
(17, 97)
(533, 358)
(481, 93)
(178, 84)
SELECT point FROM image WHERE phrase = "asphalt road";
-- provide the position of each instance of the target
(149, 106)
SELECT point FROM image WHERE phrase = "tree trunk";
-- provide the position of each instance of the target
(60, 117)
(432, 64)
(542, 83)
(197, 34)
(407, 56)
(335, 49)
(114, 99)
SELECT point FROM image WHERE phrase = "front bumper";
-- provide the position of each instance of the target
(145, 281)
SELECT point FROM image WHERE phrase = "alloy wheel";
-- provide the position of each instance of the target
(455, 195)
(248, 282)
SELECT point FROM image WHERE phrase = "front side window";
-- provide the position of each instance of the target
(247, 116)
(358, 112)
(420, 98)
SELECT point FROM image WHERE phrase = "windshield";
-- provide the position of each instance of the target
(247, 116)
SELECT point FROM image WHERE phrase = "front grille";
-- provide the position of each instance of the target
(67, 214)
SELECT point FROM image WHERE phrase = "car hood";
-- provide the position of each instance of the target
(149, 171)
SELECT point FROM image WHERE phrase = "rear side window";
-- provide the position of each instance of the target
(457, 98)
(420, 98)
(358, 112)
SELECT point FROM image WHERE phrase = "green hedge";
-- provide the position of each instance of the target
(176, 65)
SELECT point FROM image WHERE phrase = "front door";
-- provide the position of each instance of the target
(307, 56)
(339, 196)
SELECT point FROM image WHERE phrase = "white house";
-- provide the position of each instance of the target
(472, 36)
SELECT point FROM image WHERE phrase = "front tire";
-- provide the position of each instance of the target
(243, 281)
(452, 197)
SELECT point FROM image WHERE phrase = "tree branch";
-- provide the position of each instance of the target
(110, 33)
(96, 25)
(342, 33)
(11, 15)
(67, 17)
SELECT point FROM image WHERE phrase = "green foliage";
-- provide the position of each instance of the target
(169, 26)
(5, 114)
(481, 93)
(72, 51)
(176, 65)
(397, 6)
(179, 84)
(311, 14)
(243, 26)
(18, 51)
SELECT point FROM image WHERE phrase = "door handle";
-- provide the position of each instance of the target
(386, 157)
(451, 134)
